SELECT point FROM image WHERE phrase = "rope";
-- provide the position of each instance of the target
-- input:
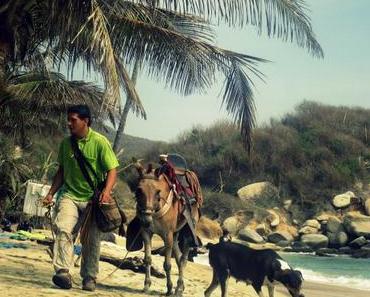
(124, 258)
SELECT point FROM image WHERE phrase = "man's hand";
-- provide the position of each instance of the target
(48, 200)
(105, 197)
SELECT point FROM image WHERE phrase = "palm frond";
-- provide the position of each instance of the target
(187, 65)
(286, 19)
(49, 92)
(186, 24)
(101, 46)
(130, 90)
(239, 101)
(38, 101)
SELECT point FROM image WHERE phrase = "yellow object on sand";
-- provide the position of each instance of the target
(31, 236)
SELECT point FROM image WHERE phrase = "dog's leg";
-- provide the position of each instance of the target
(212, 286)
(167, 262)
(147, 259)
(258, 288)
(271, 288)
(224, 279)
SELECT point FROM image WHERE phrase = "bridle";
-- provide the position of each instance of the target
(167, 201)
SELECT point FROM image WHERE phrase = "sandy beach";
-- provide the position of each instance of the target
(27, 272)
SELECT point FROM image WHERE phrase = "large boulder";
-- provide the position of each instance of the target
(315, 241)
(337, 240)
(258, 190)
(312, 224)
(334, 225)
(357, 224)
(343, 200)
(278, 236)
(232, 224)
(249, 235)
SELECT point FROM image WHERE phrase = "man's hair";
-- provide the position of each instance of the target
(82, 110)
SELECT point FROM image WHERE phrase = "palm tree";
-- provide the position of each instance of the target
(172, 38)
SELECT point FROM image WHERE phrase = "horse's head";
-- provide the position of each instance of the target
(151, 194)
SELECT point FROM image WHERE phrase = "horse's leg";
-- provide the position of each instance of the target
(147, 260)
(167, 261)
(183, 260)
(176, 250)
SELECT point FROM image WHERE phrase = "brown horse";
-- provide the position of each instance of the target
(159, 210)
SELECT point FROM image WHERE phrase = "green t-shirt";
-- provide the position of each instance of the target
(98, 152)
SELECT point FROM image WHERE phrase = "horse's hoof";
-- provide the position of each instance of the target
(146, 289)
(169, 293)
(178, 292)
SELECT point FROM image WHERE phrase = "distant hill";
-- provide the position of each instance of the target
(132, 146)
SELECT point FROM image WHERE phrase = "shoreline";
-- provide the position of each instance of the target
(317, 289)
(27, 271)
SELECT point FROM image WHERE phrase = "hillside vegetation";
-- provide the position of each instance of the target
(310, 154)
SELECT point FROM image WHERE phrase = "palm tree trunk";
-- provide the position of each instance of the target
(4, 50)
(125, 111)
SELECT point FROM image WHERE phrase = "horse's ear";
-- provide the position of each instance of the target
(139, 168)
(149, 169)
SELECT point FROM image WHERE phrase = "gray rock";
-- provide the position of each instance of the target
(298, 244)
(283, 243)
(275, 237)
(358, 225)
(334, 225)
(298, 250)
(363, 254)
(315, 241)
(249, 235)
(358, 242)
(338, 239)
(346, 250)
(312, 224)
(366, 247)
(328, 250)
(343, 200)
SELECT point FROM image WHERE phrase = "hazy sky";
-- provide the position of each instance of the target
(342, 78)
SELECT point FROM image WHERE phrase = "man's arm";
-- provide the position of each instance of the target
(105, 196)
(57, 183)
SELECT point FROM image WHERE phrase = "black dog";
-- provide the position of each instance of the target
(255, 267)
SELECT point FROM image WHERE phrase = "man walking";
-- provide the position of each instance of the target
(74, 194)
